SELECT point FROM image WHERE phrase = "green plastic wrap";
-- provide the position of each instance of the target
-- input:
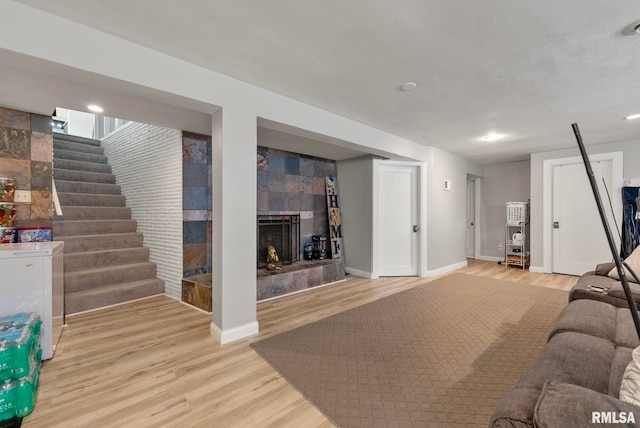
(19, 343)
(18, 396)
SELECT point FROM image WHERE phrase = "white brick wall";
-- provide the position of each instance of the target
(147, 163)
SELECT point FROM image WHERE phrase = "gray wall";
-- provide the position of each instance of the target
(501, 183)
(355, 187)
(447, 210)
(631, 168)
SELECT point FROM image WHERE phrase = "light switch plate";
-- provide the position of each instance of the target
(23, 196)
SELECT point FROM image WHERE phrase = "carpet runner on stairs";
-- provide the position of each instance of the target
(104, 259)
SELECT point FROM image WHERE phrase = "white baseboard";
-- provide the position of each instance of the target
(490, 258)
(358, 272)
(233, 334)
(446, 269)
(536, 269)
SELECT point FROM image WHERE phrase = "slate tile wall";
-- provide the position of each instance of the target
(26, 155)
(294, 183)
(196, 203)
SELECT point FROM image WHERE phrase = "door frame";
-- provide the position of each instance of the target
(477, 184)
(421, 198)
(547, 197)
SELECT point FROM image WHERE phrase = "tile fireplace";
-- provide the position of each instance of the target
(281, 232)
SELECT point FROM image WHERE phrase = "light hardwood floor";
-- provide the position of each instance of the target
(153, 363)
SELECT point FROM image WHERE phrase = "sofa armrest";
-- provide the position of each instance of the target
(565, 405)
(603, 269)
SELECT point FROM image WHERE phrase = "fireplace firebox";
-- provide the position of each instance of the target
(283, 233)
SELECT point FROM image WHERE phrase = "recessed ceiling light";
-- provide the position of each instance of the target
(492, 137)
(408, 86)
(633, 116)
(94, 108)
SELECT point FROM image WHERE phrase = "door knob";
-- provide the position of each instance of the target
(471, 224)
(415, 228)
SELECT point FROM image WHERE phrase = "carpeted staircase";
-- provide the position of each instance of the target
(104, 260)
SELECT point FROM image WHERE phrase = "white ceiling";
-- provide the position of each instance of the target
(526, 69)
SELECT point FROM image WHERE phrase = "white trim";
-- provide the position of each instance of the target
(235, 333)
(301, 291)
(446, 269)
(421, 168)
(358, 272)
(536, 269)
(422, 219)
(547, 197)
(375, 208)
(478, 225)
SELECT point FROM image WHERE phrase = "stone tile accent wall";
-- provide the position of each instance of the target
(26, 154)
(299, 276)
(290, 183)
(196, 203)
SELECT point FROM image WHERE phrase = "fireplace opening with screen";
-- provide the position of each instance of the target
(282, 232)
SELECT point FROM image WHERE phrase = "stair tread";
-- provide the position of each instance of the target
(116, 287)
(100, 241)
(88, 194)
(70, 138)
(61, 153)
(114, 267)
(91, 188)
(110, 250)
(88, 221)
(84, 300)
(96, 235)
(73, 146)
(76, 170)
(91, 206)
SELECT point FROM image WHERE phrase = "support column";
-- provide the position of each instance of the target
(234, 140)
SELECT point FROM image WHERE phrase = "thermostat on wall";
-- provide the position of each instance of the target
(447, 184)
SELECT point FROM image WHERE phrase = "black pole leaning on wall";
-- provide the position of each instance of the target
(607, 229)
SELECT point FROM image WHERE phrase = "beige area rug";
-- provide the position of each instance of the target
(439, 355)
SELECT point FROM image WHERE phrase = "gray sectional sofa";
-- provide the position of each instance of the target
(580, 369)
(613, 293)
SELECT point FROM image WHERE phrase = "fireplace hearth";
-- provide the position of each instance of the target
(281, 232)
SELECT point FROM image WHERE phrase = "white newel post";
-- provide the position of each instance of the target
(234, 140)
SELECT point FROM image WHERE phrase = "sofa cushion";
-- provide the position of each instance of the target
(591, 278)
(575, 358)
(604, 268)
(633, 260)
(568, 357)
(587, 316)
(565, 405)
(617, 291)
(621, 359)
(516, 409)
(626, 334)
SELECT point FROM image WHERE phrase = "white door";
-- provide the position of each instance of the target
(398, 201)
(471, 214)
(579, 240)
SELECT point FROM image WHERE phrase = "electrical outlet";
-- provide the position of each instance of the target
(500, 246)
(23, 196)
